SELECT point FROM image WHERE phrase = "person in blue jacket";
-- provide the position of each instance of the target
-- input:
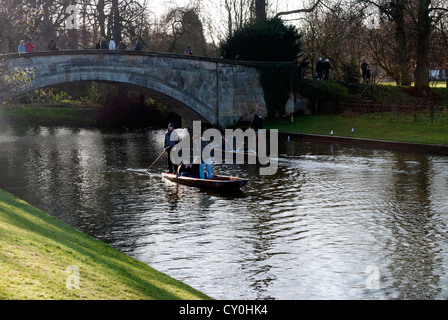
(22, 46)
(138, 46)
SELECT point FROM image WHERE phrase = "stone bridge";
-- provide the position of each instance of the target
(215, 91)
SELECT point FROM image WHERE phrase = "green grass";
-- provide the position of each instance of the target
(377, 126)
(36, 250)
(37, 112)
(432, 84)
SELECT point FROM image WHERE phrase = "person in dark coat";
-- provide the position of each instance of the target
(121, 45)
(171, 139)
(103, 44)
(257, 122)
(52, 45)
(365, 68)
(188, 170)
(367, 74)
(319, 69)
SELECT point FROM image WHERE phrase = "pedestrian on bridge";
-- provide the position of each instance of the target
(29, 46)
(121, 45)
(112, 45)
(52, 45)
(138, 46)
(21, 46)
(102, 44)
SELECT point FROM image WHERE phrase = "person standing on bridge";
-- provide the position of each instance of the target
(52, 45)
(121, 45)
(22, 46)
(29, 46)
(171, 139)
(188, 52)
(138, 46)
(102, 44)
(112, 45)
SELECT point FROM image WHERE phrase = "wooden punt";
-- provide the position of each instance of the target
(223, 183)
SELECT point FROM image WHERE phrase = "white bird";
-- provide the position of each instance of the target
(331, 132)
(353, 129)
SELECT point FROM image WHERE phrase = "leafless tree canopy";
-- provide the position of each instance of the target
(401, 39)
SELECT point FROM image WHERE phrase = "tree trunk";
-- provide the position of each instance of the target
(423, 29)
(101, 17)
(397, 15)
(405, 77)
(116, 29)
(260, 10)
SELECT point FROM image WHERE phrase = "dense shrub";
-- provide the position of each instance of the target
(269, 40)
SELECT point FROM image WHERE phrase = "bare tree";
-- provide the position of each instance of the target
(335, 34)
(180, 27)
(237, 14)
(313, 6)
(423, 34)
(260, 9)
(410, 15)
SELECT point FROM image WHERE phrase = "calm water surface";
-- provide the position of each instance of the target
(334, 222)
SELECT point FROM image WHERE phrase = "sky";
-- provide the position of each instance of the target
(159, 7)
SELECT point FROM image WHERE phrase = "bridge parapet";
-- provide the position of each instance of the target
(197, 88)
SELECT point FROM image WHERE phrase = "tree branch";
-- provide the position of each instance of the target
(307, 10)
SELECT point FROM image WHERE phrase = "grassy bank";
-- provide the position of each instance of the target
(39, 255)
(386, 126)
(75, 113)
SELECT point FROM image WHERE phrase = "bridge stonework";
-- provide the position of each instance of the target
(216, 91)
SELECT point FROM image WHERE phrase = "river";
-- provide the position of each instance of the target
(334, 222)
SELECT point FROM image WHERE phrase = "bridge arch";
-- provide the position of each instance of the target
(211, 90)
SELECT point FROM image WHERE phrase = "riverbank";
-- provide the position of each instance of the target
(44, 258)
(381, 127)
(385, 126)
(50, 114)
(87, 114)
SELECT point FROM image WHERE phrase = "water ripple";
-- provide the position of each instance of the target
(334, 222)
